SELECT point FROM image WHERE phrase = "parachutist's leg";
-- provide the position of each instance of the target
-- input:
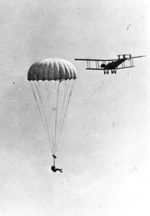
(57, 169)
(60, 170)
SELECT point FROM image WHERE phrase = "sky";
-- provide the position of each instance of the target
(104, 146)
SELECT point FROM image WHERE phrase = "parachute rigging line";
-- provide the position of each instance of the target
(64, 101)
(56, 117)
(64, 115)
(39, 94)
(38, 106)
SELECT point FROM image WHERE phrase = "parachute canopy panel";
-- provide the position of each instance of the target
(51, 69)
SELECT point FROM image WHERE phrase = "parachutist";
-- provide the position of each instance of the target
(54, 169)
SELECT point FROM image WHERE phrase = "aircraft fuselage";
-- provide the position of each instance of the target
(114, 64)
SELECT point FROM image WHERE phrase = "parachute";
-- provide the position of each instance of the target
(52, 82)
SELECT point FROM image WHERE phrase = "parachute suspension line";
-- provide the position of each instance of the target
(48, 94)
(63, 104)
(38, 106)
(49, 132)
(65, 113)
(52, 120)
(49, 90)
(55, 86)
(40, 110)
(49, 105)
(56, 117)
(39, 94)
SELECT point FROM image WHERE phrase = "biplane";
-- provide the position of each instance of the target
(110, 65)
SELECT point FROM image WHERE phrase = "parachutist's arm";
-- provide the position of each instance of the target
(54, 156)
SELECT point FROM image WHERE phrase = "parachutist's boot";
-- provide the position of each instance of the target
(61, 170)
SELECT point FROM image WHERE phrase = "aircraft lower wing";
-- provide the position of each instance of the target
(109, 69)
(125, 67)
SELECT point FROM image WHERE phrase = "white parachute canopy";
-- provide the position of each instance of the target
(52, 82)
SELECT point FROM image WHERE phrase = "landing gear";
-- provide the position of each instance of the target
(113, 71)
(106, 72)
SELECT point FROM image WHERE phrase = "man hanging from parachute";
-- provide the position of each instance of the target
(52, 83)
(53, 168)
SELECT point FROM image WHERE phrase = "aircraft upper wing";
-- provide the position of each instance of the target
(102, 60)
(138, 56)
(88, 59)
